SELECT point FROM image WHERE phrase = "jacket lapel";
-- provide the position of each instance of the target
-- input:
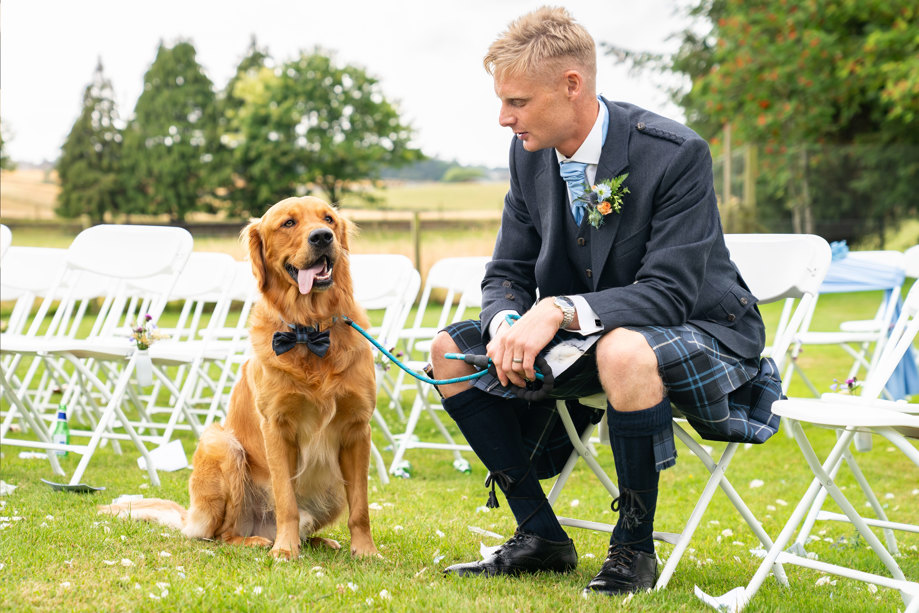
(613, 162)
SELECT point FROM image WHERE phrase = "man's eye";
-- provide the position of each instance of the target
(290, 223)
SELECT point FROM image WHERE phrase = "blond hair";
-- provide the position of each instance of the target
(545, 40)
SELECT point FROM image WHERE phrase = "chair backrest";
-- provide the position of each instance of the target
(203, 287)
(911, 262)
(901, 338)
(787, 267)
(6, 239)
(28, 273)
(451, 276)
(386, 283)
(123, 257)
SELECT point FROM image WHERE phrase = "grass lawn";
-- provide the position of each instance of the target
(57, 554)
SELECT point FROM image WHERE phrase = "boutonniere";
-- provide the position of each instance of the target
(604, 198)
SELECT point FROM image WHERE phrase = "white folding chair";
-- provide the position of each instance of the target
(192, 346)
(385, 285)
(895, 421)
(121, 255)
(6, 239)
(862, 339)
(788, 267)
(425, 402)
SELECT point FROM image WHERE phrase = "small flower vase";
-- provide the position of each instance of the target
(143, 368)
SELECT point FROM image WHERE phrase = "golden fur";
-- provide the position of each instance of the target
(295, 447)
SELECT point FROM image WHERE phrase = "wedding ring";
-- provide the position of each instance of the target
(517, 360)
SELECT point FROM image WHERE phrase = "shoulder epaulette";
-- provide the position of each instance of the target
(652, 131)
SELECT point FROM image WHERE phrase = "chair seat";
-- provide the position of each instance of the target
(837, 414)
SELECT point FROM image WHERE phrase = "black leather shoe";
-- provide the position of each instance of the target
(625, 570)
(522, 553)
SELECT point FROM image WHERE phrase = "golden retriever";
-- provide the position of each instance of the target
(295, 446)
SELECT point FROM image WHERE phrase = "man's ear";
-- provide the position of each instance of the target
(253, 241)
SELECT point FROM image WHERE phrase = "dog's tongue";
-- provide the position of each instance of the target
(305, 276)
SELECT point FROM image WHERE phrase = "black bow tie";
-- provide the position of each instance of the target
(315, 341)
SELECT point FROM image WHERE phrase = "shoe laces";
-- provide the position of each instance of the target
(620, 556)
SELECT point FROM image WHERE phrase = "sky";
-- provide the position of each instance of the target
(426, 54)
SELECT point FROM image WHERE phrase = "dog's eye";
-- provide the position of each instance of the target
(328, 219)
(290, 223)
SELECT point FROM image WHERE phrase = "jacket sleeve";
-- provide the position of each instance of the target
(510, 279)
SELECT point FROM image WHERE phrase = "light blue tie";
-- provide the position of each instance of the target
(575, 175)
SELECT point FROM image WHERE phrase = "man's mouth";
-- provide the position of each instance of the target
(318, 275)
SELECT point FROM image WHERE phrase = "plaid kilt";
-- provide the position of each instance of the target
(723, 397)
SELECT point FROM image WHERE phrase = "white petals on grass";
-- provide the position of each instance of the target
(781, 502)
(126, 562)
(375, 506)
(165, 554)
(6, 489)
(825, 580)
(385, 595)
(438, 556)
(65, 584)
(257, 590)
(757, 483)
(575, 502)
(352, 586)
(727, 532)
(439, 533)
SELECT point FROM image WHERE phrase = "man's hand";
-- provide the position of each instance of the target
(514, 348)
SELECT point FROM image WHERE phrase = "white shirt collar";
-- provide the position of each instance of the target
(590, 149)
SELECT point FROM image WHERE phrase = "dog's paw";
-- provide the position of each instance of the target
(285, 554)
(365, 551)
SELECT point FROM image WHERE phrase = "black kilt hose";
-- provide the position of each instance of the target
(724, 397)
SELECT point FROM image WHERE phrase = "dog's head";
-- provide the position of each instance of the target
(299, 247)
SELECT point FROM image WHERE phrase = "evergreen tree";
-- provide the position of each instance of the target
(314, 123)
(90, 164)
(171, 142)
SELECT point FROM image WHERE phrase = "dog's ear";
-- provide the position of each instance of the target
(348, 231)
(251, 239)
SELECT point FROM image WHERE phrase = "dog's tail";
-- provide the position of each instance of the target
(156, 510)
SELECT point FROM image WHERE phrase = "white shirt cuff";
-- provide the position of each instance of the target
(496, 322)
(588, 321)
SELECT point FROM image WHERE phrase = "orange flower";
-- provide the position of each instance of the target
(605, 208)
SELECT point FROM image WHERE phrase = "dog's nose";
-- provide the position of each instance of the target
(320, 237)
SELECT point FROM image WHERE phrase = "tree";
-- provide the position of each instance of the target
(829, 90)
(312, 122)
(171, 142)
(5, 162)
(240, 186)
(90, 164)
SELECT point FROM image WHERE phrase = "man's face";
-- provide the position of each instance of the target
(538, 110)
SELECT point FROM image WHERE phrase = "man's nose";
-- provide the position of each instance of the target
(505, 118)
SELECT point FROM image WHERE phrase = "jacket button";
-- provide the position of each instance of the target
(509, 296)
(581, 242)
(506, 284)
(641, 125)
(743, 301)
(732, 317)
(589, 273)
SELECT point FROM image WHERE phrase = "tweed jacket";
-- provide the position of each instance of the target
(661, 261)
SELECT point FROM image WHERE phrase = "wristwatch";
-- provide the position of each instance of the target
(566, 306)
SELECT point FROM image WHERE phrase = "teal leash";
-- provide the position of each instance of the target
(479, 361)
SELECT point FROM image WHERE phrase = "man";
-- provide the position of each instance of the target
(653, 282)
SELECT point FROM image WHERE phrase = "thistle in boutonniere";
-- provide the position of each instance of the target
(604, 198)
